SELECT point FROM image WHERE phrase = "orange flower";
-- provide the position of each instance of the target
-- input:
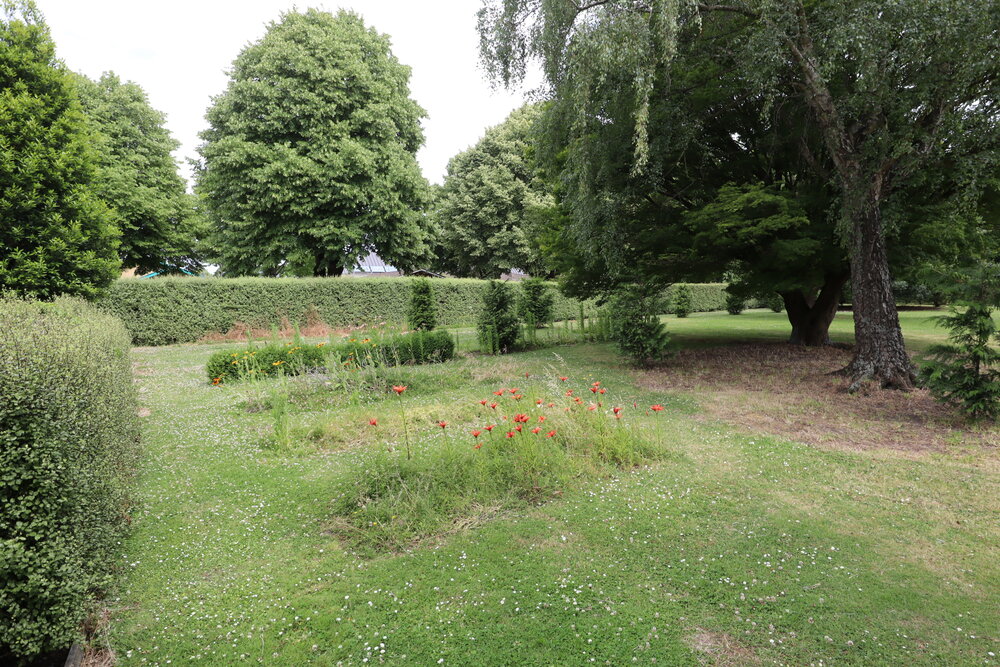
(569, 392)
(477, 446)
(443, 424)
(373, 421)
(591, 407)
(493, 405)
(489, 427)
(550, 434)
(603, 390)
(500, 392)
(656, 408)
(597, 384)
(538, 402)
(399, 389)
(513, 391)
(551, 405)
(563, 378)
(476, 433)
(482, 402)
(518, 397)
(518, 428)
(536, 430)
(510, 434)
(593, 390)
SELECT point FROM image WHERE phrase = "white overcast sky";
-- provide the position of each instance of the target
(179, 52)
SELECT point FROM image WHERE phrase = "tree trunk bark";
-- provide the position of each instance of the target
(327, 266)
(811, 316)
(879, 353)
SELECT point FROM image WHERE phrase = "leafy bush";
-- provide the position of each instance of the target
(69, 443)
(773, 301)
(682, 301)
(422, 314)
(498, 325)
(704, 297)
(635, 326)
(417, 347)
(163, 311)
(253, 361)
(536, 303)
(735, 303)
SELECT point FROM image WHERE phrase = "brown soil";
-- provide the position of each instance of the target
(794, 392)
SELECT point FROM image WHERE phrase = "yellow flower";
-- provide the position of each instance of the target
(277, 363)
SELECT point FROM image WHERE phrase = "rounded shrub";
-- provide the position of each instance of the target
(735, 303)
(69, 446)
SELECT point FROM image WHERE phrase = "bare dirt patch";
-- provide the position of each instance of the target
(721, 649)
(791, 391)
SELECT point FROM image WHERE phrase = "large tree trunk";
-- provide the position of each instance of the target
(811, 314)
(328, 265)
(879, 354)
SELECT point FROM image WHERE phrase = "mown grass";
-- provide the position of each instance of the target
(732, 548)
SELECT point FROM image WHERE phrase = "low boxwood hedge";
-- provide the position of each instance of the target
(69, 443)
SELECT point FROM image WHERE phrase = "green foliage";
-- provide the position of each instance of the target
(635, 326)
(498, 324)
(256, 361)
(773, 301)
(138, 177)
(735, 303)
(303, 173)
(69, 439)
(536, 302)
(56, 235)
(163, 311)
(422, 314)
(966, 372)
(490, 201)
(683, 305)
(416, 347)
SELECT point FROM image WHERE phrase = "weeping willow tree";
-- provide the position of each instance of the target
(894, 91)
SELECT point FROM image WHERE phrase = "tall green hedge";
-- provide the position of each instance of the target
(181, 310)
(69, 442)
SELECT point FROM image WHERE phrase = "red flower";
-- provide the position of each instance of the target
(483, 402)
(550, 434)
(399, 389)
(536, 430)
(521, 418)
(591, 407)
(510, 434)
(527, 375)
(551, 405)
(518, 397)
(442, 424)
(563, 378)
(569, 392)
(373, 421)
(578, 400)
(616, 410)
(476, 433)
(538, 401)
(493, 405)
(593, 390)
(477, 446)
(513, 391)
(499, 393)
(618, 415)
(541, 418)
(518, 428)
(597, 384)
(603, 390)
(489, 427)
(656, 408)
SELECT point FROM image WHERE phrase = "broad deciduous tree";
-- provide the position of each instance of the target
(56, 235)
(309, 161)
(139, 177)
(891, 90)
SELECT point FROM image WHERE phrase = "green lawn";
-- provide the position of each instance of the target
(734, 548)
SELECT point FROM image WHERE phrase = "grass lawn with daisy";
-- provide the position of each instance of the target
(303, 520)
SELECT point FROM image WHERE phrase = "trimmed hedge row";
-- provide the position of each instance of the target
(163, 311)
(705, 297)
(69, 443)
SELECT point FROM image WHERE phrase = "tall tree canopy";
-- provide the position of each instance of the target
(891, 93)
(56, 235)
(491, 199)
(139, 177)
(309, 161)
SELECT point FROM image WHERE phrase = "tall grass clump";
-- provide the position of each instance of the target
(69, 443)
(526, 446)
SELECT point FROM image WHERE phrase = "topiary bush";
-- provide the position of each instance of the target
(252, 361)
(682, 301)
(498, 324)
(536, 303)
(635, 326)
(422, 314)
(69, 445)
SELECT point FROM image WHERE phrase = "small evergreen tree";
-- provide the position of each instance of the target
(537, 301)
(423, 312)
(735, 303)
(966, 371)
(56, 235)
(498, 324)
(682, 301)
(636, 329)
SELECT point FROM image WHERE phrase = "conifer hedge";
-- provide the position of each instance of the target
(163, 311)
(69, 442)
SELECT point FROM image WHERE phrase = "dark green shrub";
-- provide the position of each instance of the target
(682, 301)
(69, 444)
(423, 313)
(254, 361)
(773, 301)
(536, 303)
(735, 303)
(635, 326)
(498, 325)
(163, 311)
